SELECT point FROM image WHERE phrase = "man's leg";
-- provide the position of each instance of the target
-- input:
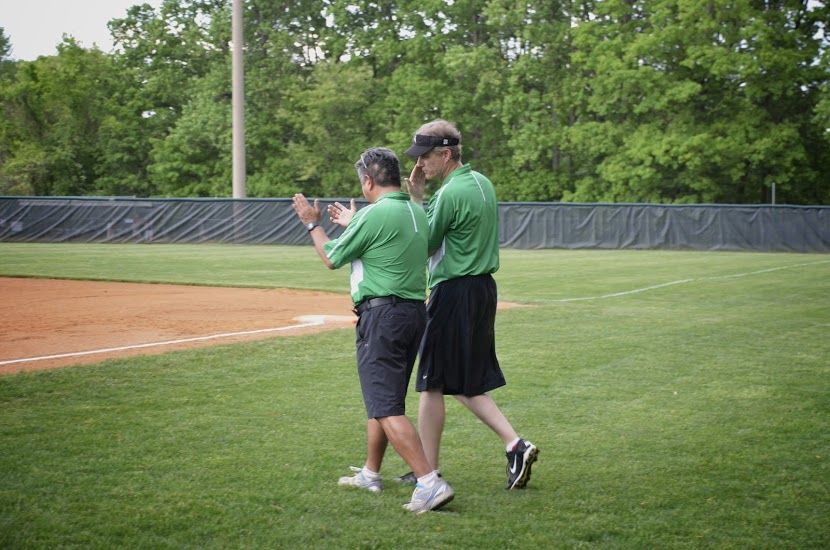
(368, 477)
(375, 444)
(431, 424)
(521, 454)
(401, 433)
(488, 412)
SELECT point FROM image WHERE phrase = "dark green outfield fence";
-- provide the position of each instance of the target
(522, 225)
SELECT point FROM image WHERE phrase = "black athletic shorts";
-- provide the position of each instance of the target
(458, 352)
(387, 343)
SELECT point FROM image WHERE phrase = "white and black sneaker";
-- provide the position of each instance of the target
(519, 461)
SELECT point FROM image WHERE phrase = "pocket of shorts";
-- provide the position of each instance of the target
(395, 314)
(359, 336)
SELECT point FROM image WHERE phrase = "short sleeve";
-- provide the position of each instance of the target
(352, 243)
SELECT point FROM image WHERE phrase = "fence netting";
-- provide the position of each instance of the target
(522, 225)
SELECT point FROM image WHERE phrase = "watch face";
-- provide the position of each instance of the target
(309, 226)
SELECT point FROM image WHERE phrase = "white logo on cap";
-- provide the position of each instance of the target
(446, 141)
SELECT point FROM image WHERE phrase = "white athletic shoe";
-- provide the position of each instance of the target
(425, 499)
(360, 481)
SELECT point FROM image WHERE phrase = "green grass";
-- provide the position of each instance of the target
(687, 416)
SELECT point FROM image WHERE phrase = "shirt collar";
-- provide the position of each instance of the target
(463, 169)
(394, 196)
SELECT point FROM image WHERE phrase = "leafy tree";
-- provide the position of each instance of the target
(575, 100)
(283, 47)
(693, 102)
(194, 159)
(536, 105)
(55, 106)
(164, 55)
(5, 45)
(332, 114)
(6, 130)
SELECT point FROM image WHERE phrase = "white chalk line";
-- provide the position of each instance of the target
(306, 321)
(681, 282)
(779, 268)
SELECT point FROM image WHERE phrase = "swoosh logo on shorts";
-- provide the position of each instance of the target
(513, 467)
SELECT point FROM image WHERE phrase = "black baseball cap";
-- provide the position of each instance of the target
(421, 144)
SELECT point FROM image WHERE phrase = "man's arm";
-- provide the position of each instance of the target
(318, 235)
(311, 214)
(441, 215)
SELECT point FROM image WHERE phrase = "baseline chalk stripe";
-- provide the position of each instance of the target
(680, 282)
(305, 321)
(624, 293)
(766, 270)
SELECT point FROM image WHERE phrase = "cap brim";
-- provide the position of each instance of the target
(416, 151)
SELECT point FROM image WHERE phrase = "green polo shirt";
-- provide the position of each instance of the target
(463, 227)
(386, 243)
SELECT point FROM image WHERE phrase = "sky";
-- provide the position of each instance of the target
(36, 27)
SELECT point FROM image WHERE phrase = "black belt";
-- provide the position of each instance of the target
(369, 303)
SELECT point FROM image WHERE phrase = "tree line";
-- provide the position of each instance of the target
(670, 101)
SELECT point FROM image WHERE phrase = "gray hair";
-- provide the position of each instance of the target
(380, 163)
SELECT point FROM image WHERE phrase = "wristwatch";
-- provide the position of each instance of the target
(311, 225)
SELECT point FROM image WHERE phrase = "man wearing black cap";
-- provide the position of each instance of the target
(458, 351)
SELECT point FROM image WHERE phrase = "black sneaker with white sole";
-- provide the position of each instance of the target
(519, 461)
(409, 478)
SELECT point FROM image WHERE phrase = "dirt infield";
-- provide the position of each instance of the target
(86, 322)
(49, 323)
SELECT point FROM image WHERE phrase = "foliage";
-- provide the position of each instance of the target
(55, 107)
(574, 100)
(5, 45)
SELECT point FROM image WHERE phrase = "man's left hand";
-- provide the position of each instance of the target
(341, 215)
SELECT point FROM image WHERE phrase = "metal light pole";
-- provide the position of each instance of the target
(238, 100)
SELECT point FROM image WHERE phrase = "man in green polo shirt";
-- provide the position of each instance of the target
(458, 351)
(386, 244)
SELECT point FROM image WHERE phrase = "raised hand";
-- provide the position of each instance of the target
(340, 215)
(416, 184)
(304, 210)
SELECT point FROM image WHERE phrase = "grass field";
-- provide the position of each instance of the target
(679, 399)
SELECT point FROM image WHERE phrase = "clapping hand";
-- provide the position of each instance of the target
(306, 212)
(340, 215)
